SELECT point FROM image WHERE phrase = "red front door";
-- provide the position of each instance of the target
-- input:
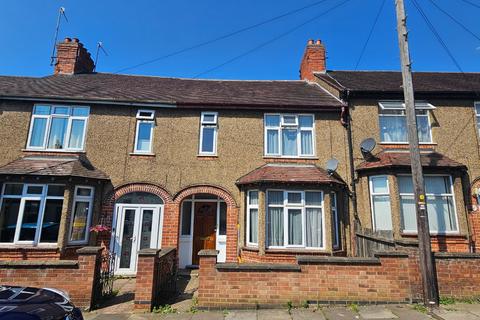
(204, 228)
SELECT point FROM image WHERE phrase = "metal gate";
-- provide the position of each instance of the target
(103, 284)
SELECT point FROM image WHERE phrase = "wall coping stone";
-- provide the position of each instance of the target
(208, 253)
(257, 267)
(148, 252)
(38, 263)
(89, 250)
(336, 260)
(456, 255)
(375, 237)
(397, 254)
(165, 251)
(27, 248)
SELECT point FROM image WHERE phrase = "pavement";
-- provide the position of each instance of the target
(371, 312)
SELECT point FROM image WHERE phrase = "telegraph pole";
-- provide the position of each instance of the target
(429, 280)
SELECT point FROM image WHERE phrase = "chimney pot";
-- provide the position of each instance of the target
(75, 40)
(67, 40)
(73, 58)
(313, 60)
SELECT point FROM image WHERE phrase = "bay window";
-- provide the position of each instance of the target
(81, 215)
(252, 217)
(144, 131)
(56, 127)
(440, 201)
(208, 133)
(380, 203)
(393, 122)
(289, 135)
(295, 219)
(30, 213)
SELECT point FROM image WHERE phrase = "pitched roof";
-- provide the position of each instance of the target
(288, 173)
(385, 159)
(391, 82)
(60, 166)
(129, 89)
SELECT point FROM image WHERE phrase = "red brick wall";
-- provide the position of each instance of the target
(313, 60)
(76, 277)
(474, 218)
(248, 255)
(390, 278)
(32, 253)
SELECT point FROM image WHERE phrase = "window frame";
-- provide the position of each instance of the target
(476, 104)
(335, 220)
(150, 149)
(302, 206)
(400, 106)
(77, 198)
(24, 197)
(70, 118)
(249, 207)
(452, 195)
(290, 126)
(208, 124)
(373, 194)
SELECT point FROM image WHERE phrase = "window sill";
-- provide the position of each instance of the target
(207, 156)
(137, 154)
(290, 158)
(251, 248)
(433, 234)
(406, 143)
(296, 250)
(42, 246)
(54, 151)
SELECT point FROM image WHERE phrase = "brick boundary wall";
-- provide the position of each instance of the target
(391, 277)
(156, 276)
(75, 277)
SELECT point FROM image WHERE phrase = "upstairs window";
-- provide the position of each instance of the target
(208, 133)
(289, 135)
(393, 122)
(58, 127)
(144, 131)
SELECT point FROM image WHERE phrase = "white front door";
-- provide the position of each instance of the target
(136, 227)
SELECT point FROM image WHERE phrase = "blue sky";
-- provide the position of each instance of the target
(137, 31)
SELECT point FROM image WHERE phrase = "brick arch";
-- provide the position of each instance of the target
(137, 187)
(215, 190)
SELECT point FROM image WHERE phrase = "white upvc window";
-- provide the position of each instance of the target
(30, 213)
(393, 122)
(442, 216)
(57, 127)
(477, 115)
(289, 135)
(208, 133)
(144, 131)
(252, 218)
(295, 219)
(81, 215)
(380, 203)
(335, 221)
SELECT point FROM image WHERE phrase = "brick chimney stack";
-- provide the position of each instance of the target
(73, 58)
(313, 60)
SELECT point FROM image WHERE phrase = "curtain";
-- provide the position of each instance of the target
(76, 134)
(272, 141)
(38, 132)
(393, 128)
(57, 133)
(423, 129)
(208, 137)
(253, 197)
(306, 142)
(295, 227)
(314, 227)
(289, 142)
(441, 214)
(253, 226)
(382, 213)
(275, 226)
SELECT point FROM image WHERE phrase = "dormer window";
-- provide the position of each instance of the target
(55, 127)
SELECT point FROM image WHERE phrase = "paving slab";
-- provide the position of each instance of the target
(406, 312)
(111, 316)
(176, 316)
(273, 314)
(209, 315)
(241, 315)
(143, 316)
(307, 314)
(473, 308)
(343, 313)
(375, 312)
(452, 314)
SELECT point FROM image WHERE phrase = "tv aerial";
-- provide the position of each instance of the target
(61, 13)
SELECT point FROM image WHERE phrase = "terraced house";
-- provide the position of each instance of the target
(236, 166)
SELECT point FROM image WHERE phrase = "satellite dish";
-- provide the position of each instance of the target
(332, 165)
(368, 145)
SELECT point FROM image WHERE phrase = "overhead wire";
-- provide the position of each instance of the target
(263, 44)
(471, 3)
(370, 34)
(222, 37)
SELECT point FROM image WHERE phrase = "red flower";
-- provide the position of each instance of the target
(99, 228)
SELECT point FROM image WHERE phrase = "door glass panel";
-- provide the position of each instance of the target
(29, 222)
(186, 218)
(146, 234)
(8, 219)
(127, 238)
(223, 219)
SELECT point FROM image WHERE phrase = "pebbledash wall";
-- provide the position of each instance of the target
(391, 277)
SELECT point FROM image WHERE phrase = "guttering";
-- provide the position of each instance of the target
(94, 101)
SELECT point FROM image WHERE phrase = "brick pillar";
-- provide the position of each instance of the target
(171, 224)
(232, 234)
(89, 265)
(206, 274)
(145, 281)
